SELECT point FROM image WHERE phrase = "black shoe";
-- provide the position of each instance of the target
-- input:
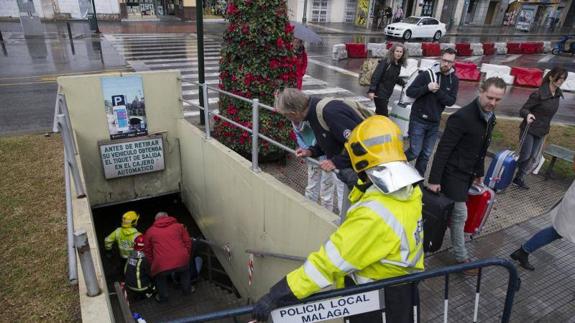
(523, 258)
(520, 183)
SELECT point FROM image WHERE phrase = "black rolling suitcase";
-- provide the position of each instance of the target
(436, 211)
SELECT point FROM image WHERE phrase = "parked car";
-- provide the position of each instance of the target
(416, 27)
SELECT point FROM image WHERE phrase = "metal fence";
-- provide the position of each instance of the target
(254, 131)
(414, 279)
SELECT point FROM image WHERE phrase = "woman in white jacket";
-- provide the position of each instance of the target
(563, 220)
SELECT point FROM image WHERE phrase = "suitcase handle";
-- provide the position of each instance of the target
(476, 189)
(523, 136)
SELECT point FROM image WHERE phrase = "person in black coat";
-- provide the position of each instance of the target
(385, 76)
(538, 112)
(459, 158)
(431, 98)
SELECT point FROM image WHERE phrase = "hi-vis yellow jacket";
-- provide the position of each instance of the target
(381, 237)
(125, 238)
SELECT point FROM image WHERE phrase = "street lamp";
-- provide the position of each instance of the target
(95, 18)
(304, 18)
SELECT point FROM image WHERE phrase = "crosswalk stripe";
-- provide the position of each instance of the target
(546, 58)
(511, 58)
(179, 52)
(165, 49)
(181, 60)
(329, 90)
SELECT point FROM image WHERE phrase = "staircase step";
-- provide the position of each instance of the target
(207, 298)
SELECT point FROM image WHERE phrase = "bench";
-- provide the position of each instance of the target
(557, 152)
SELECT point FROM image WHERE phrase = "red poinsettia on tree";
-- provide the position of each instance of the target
(256, 59)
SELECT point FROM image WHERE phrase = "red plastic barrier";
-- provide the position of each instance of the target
(527, 76)
(467, 71)
(532, 47)
(430, 49)
(356, 50)
(463, 49)
(513, 48)
(488, 48)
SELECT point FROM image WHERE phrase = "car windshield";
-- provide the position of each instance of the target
(411, 20)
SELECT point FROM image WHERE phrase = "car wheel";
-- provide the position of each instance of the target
(437, 35)
(555, 51)
(407, 35)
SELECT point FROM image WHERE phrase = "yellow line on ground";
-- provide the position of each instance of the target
(26, 83)
(54, 76)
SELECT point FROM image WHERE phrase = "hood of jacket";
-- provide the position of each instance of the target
(436, 68)
(164, 222)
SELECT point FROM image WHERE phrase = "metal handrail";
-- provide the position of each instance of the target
(207, 113)
(259, 253)
(225, 248)
(512, 287)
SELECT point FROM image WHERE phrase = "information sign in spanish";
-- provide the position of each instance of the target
(329, 309)
(132, 157)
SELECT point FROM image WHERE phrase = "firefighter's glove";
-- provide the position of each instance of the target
(348, 176)
(280, 295)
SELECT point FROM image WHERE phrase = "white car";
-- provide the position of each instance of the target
(416, 27)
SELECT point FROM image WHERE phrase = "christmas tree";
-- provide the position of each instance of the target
(256, 59)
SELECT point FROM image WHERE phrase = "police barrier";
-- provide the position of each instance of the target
(365, 298)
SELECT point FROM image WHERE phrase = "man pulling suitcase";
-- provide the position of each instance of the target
(459, 158)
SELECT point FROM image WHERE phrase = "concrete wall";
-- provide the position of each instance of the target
(232, 204)
(336, 11)
(162, 92)
(95, 309)
(107, 7)
(9, 8)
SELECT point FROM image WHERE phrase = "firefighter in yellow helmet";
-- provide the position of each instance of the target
(381, 236)
(124, 235)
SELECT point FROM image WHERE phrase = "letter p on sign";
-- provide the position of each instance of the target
(118, 100)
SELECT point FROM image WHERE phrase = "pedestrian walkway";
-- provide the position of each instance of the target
(169, 51)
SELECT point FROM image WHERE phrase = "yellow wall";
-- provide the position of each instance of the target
(189, 3)
(162, 93)
(232, 204)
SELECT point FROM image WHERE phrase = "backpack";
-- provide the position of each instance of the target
(366, 71)
(362, 111)
(403, 98)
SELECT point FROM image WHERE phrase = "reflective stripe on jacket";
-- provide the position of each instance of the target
(125, 238)
(380, 238)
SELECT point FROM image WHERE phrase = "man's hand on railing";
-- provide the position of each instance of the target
(280, 295)
(302, 153)
(348, 176)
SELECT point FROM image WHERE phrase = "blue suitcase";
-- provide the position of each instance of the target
(501, 170)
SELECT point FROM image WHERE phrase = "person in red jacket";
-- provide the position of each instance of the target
(301, 62)
(168, 246)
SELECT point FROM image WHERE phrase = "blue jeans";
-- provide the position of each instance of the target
(528, 155)
(540, 239)
(422, 138)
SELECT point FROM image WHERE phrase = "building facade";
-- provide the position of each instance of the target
(106, 9)
(525, 15)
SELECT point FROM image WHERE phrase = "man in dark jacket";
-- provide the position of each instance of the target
(459, 158)
(339, 118)
(331, 128)
(168, 246)
(431, 98)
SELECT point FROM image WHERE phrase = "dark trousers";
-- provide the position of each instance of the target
(399, 301)
(381, 106)
(162, 281)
